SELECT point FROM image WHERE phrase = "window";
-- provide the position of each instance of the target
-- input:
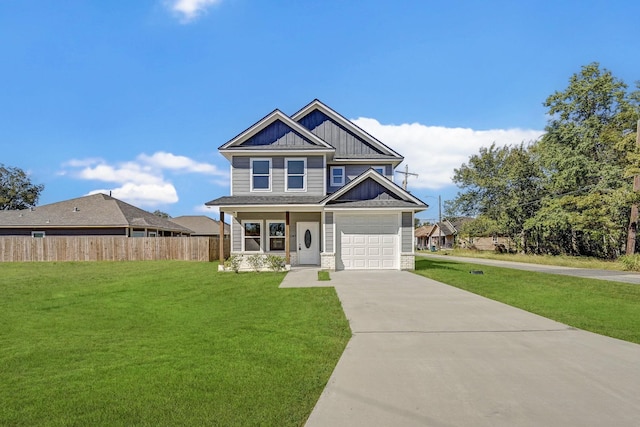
(276, 235)
(38, 234)
(251, 234)
(337, 176)
(296, 169)
(379, 169)
(260, 174)
(138, 233)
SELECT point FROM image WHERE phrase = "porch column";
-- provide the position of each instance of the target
(287, 251)
(221, 238)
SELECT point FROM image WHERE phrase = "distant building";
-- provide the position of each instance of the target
(95, 215)
(202, 225)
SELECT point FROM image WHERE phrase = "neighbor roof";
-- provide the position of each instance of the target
(97, 210)
(201, 224)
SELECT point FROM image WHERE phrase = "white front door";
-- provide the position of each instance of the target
(308, 243)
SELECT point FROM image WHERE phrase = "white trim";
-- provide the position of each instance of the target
(344, 172)
(304, 174)
(231, 175)
(258, 159)
(243, 237)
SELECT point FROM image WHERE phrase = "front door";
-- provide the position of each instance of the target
(308, 243)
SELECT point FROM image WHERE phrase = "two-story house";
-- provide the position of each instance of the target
(316, 189)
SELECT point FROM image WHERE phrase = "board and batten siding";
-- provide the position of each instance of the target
(346, 143)
(407, 232)
(353, 171)
(241, 176)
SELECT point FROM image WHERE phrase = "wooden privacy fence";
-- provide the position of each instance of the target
(110, 248)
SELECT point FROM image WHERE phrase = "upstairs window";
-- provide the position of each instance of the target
(260, 174)
(296, 171)
(379, 169)
(337, 176)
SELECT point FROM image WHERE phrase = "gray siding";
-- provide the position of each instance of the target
(241, 176)
(236, 234)
(328, 232)
(407, 232)
(353, 171)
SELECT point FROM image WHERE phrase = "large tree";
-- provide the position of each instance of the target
(16, 189)
(569, 192)
(584, 155)
(503, 185)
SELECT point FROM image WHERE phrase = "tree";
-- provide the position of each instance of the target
(502, 185)
(161, 214)
(16, 189)
(584, 156)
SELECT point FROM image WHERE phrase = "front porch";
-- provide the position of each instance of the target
(298, 237)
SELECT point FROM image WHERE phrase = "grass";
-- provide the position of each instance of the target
(323, 275)
(561, 260)
(607, 308)
(162, 344)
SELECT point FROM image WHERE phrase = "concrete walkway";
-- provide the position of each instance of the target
(589, 273)
(428, 354)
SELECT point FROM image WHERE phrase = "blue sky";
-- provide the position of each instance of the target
(136, 96)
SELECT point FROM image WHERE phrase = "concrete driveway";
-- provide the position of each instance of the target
(428, 354)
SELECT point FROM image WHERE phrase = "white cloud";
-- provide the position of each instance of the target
(165, 160)
(212, 211)
(188, 10)
(141, 182)
(143, 195)
(433, 152)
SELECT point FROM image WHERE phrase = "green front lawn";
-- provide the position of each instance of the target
(162, 343)
(607, 308)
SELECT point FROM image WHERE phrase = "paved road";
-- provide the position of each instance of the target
(615, 276)
(427, 354)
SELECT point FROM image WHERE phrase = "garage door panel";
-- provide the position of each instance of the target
(369, 241)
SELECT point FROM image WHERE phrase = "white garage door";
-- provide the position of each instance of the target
(368, 241)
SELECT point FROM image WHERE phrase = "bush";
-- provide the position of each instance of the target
(630, 262)
(275, 262)
(256, 261)
(233, 262)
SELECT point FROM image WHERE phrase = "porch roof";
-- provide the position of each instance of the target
(265, 200)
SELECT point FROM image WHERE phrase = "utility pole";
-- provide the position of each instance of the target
(633, 218)
(439, 222)
(406, 174)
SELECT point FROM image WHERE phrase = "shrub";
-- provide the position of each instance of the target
(275, 262)
(256, 261)
(233, 262)
(630, 262)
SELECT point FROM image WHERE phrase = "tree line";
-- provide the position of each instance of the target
(571, 191)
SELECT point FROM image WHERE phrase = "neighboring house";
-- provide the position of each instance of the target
(422, 234)
(317, 190)
(95, 215)
(201, 225)
(442, 235)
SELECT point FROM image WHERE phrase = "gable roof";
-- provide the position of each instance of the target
(275, 131)
(371, 189)
(423, 231)
(201, 224)
(350, 141)
(97, 210)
